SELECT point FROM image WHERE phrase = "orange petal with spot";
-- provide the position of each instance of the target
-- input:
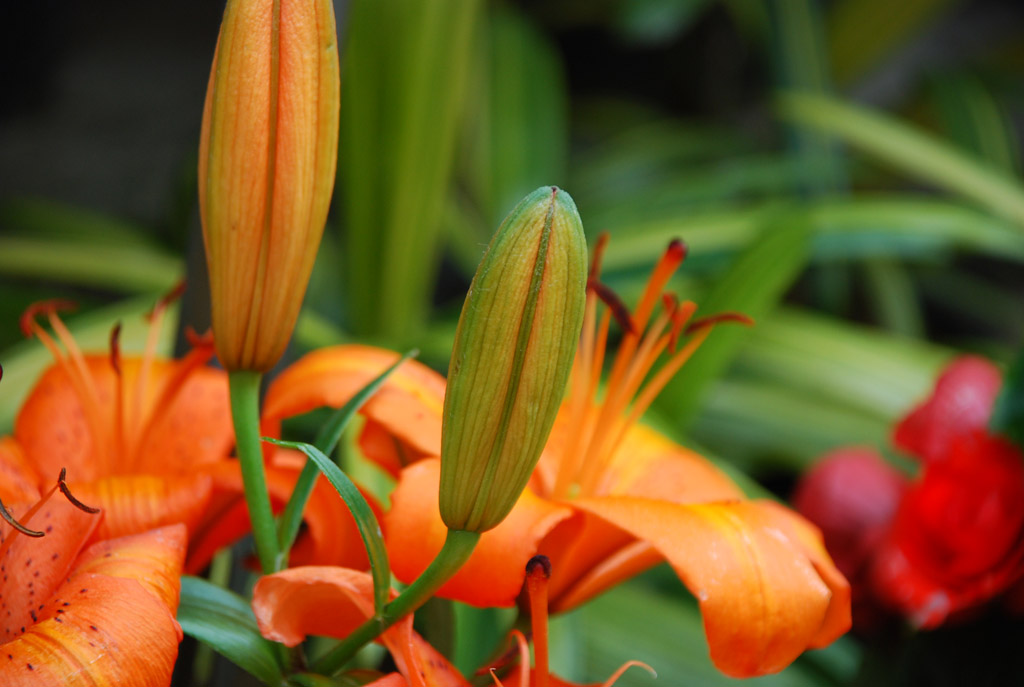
(748, 564)
(330, 536)
(34, 567)
(408, 405)
(18, 481)
(154, 559)
(104, 626)
(137, 503)
(493, 575)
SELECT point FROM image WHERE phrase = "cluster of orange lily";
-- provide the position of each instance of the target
(149, 442)
(549, 502)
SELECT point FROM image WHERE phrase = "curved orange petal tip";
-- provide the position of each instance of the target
(766, 588)
(137, 503)
(312, 600)
(408, 405)
(154, 559)
(494, 574)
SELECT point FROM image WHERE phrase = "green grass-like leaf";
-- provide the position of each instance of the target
(223, 620)
(366, 521)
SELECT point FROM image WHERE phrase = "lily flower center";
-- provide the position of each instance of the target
(120, 415)
(598, 422)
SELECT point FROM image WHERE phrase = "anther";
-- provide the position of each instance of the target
(719, 318)
(539, 562)
(71, 497)
(166, 300)
(618, 309)
(6, 515)
(28, 318)
(115, 348)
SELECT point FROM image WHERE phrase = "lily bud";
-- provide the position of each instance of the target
(513, 352)
(266, 169)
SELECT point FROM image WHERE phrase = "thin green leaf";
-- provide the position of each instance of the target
(326, 441)
(910, 150)
(223, 620)
(753, 285)
(125, 268)
(843, 229)
(366, 521)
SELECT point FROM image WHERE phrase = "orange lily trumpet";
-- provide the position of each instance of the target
(149, 441)
(609, 497)
(76, 616)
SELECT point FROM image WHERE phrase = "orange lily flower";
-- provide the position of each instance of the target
(332, 602)
(99, 616)
(609, 497)
(149, 441)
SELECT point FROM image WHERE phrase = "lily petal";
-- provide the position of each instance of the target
(494, 574)
(193, 428)
(408, 405)
(138, 503)
(18, 481)
(33, 567)
(102, 627)
(748, 564)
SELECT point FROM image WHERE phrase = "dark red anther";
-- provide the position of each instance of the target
(539, 562)
(619, 310)
(71, 497)
(677, 250)
(197, 340)
(711, 320)
(42, 308)
(6, 515)
(115, 348)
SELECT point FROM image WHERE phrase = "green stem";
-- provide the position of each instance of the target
(458, 545)
(245, 390)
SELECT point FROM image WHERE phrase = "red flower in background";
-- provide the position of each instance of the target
(945, 543)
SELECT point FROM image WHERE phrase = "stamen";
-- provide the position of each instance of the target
(62, 483)
(681, 316)
(615, 304)
(156, 318)
(711, 320)
(6, 515)
(626, 666)
(115, 362)
(595, 261)
(538, 571)
(7, 541)
(670, 261)
(73, 364)
(195, 359)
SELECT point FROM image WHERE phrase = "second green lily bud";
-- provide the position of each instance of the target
(513, 352)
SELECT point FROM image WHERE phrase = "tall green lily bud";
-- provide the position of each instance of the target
(266, 170)
(513, 352)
